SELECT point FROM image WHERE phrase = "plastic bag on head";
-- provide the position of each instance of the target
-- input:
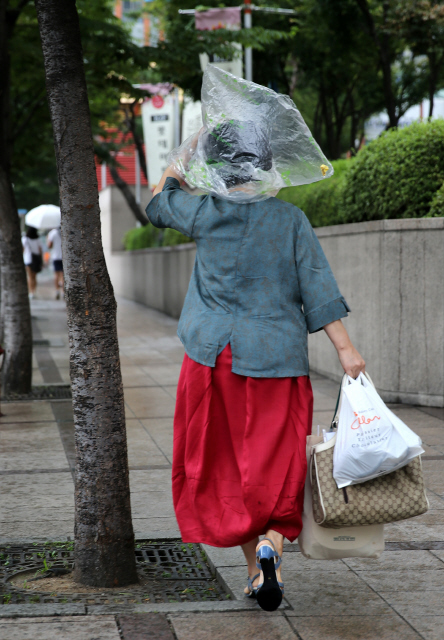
(253, 143)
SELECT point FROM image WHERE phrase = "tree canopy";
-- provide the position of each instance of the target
(340, 60)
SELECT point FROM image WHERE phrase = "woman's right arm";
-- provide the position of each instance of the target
(168, 173)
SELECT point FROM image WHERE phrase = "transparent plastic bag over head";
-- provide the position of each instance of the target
(253, 143)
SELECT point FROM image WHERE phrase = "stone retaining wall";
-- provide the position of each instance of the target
(391, 273)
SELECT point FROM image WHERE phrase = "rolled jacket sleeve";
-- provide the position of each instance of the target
(321, 298)
(174, 208)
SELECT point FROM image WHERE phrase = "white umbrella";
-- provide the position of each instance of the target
(46, 216)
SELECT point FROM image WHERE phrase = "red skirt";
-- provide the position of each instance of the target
(239, 461)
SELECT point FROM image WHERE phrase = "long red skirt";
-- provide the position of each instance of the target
(239, 461)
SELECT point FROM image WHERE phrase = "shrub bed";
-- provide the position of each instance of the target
(320, 201)
(397, 175)
(149, 236)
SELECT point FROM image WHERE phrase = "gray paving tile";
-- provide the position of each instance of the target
(155, 525)
(421, 422)
(434, 475)
(257, 625)
(12, 612)
(150, 402)
(161, 431)
(66, 628)
(31, 445)
(231, 557)
(430, 627)
(415, 603)
(323, 402)
(437, 412)
(381, 581)
(296, 562)
(134, 376)
(15, 412)
(397, 561)
(409, 531)
(163, 374)
(142, 449)
(387, 627)
(171, 390)
(436, 502)
(145, 626)
(329, 600)
(439, 555)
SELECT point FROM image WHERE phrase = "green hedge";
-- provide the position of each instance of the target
(150, 236)
(320, 201)
(437, 206)
(397, 175)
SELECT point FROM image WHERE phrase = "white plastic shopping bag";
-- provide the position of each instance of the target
(371, 440)
(321, 543)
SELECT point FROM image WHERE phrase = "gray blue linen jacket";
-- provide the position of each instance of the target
(260, 280)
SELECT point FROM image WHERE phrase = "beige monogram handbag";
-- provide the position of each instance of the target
(395, 496)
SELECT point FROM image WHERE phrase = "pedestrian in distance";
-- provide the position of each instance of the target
(54, 242)
(33, 258)
(244, 405)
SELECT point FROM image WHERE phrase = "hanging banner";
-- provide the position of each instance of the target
(212, 19)
(227, 18)
(158, 133)
(191, 118)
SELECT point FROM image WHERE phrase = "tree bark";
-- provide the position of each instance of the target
(383, 46)
(104, 538)
(434, 67)
(16, 315)
(131, 124)
(15, 311)
(128, 195)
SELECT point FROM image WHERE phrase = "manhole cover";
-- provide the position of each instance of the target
(169, 571)
(42, 392)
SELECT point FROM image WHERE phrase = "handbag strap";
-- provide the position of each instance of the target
(335, 419)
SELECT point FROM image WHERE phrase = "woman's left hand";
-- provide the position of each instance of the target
(351, 360)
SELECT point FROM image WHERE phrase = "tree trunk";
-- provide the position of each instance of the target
(104, 538)
(16, 315)
(433, 80)
(15, 311)
(131, 124)
(383, 46)
(128, 195)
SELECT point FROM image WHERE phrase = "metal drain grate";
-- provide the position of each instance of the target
(42, 392)
(169, 571)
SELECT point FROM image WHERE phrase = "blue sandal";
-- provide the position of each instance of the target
(253, 590)
(269, 593)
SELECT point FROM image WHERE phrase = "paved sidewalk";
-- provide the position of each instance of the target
(398, 596)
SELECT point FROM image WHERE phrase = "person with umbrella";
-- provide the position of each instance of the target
(32, 256)
(47, 216)
(54, 242)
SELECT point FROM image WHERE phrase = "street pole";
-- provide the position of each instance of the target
(248, 50)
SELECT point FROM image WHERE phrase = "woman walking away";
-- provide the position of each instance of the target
(244, 401)
(32, 256)
(54, 242)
